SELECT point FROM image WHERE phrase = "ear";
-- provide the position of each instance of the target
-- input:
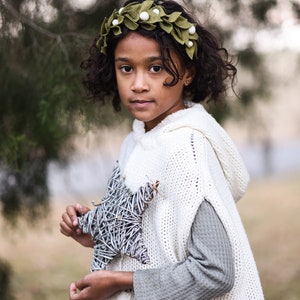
(189, 76)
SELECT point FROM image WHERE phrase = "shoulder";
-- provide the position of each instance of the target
(194, 121)
(186, 147)
(126, 147)
(179, 137)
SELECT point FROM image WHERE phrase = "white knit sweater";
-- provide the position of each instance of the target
(193, 159)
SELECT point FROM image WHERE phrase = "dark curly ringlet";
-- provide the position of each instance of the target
(213, 68)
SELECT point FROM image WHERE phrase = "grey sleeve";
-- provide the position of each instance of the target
(208, 271)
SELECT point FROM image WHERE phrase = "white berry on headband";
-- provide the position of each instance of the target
(144, 16)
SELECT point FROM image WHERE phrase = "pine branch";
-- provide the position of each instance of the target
(38, 28)
(56, 36)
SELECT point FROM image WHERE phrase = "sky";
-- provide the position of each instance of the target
(285, 38)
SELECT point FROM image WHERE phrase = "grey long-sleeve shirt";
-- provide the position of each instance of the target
(207, 272)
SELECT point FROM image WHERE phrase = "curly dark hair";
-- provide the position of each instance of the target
(214, 70)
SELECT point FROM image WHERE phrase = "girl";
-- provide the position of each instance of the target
(186, 239)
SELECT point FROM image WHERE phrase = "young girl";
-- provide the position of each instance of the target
(183, 237)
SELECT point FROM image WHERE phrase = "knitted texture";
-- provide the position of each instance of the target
(194, 160)
(207, 273)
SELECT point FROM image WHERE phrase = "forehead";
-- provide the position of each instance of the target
(137, 44)
(137, 47)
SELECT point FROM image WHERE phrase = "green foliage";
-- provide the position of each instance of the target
(253, 62)
(41, 98)
(261, 8)
(42, 103)
(5, 282)
(296, 8)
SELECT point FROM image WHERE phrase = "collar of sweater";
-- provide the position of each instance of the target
(196, 117)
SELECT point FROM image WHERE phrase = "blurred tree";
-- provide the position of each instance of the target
(5, 282)
(236, 23)
(41, 46)
(42, 43)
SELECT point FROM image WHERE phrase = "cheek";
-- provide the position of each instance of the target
(122, 89)
(118, 82)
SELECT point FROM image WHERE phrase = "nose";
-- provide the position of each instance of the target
(139, 83)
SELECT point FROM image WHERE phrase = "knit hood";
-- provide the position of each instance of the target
(197, 118)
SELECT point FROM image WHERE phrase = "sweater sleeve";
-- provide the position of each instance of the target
(207, 272)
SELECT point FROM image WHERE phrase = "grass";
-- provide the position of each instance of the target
(44, 262)
(270, 211)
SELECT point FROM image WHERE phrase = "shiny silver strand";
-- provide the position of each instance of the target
(115, 224)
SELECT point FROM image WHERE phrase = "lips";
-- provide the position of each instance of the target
(138, 101)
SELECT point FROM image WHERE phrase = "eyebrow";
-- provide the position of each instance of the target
(149, 59)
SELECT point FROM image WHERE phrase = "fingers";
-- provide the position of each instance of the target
(79, 290)
(81, 283)
(81, 209)
(97, 285)
(69, 222)
(73, 291)
(66, 229)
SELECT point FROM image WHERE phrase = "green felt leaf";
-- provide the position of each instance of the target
(129, 16)
(166, 27)
(174, 16)
(130, 24)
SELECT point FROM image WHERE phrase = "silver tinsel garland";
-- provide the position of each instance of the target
(116, 223)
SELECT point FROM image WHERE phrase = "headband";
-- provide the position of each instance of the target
(149, 16)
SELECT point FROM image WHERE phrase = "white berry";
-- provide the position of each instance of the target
(156, 11)
(192, 30)
(144, 16)
(115, 22)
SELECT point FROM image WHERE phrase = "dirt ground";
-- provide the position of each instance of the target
(44, 262)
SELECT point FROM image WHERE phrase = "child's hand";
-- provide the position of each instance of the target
(100, 285)
(69, 225)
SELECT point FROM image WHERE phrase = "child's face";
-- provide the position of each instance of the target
(141, 77)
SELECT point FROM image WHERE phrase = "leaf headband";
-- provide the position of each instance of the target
(148, 16)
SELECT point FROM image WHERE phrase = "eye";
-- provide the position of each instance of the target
(156, 69)
(126, 69)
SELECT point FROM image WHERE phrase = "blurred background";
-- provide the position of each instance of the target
(57, 148)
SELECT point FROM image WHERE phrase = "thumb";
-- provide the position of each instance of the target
(81, 209)
(82, 283)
